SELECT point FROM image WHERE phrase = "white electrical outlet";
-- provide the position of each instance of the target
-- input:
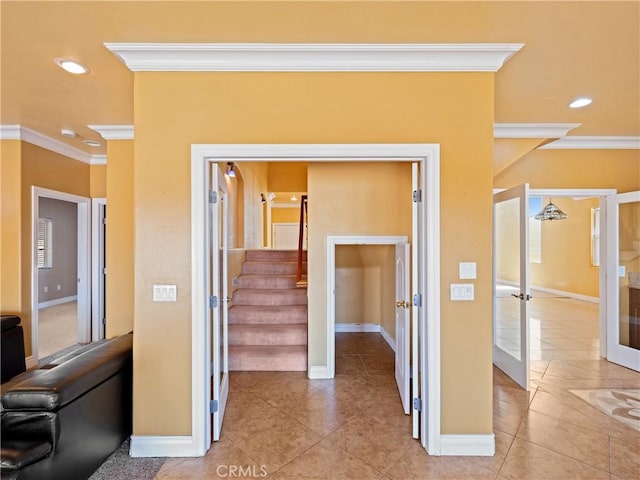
(58, 287)
(46, 289)
(462, 291)
(165, 293)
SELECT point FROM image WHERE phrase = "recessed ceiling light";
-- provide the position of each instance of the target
(91, 143)
(67, 132)
(71, 66)
(580, 102)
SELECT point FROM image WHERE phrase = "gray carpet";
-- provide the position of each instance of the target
(120, 466)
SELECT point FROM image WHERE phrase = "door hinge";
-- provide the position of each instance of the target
(213, 406)
(213, 196)
(417, 196)
(104, 221)
(417, 404)
(417, 300)
(104, 321)
(104, 271)
(213, 302)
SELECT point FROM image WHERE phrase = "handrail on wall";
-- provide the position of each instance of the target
(303, 215)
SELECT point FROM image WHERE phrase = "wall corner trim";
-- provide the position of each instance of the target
(314, 57)
(468, 445)
(114, 132)
(162, 446)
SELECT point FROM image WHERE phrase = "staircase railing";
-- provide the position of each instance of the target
(303, 217)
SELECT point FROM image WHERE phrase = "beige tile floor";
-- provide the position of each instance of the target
(285, 426)
(57, 328)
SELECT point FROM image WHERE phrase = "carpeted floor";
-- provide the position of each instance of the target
(120, 466)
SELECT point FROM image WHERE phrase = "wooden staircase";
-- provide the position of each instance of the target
(268, 317)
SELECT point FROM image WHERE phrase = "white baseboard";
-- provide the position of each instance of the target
(468, 445)
(57, 301)
(30, 362)
(389, 339)
(358, 327)
(561, 293)
(161, 446)
(318, 373)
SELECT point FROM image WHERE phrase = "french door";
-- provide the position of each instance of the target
(218, 304)
(623, 279)
(511, 283)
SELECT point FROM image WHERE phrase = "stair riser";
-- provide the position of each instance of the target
(274, 255)
(264, 268)
(266, 281)
(270, 297)
(265, 316)
(250, 335)
(277, 362)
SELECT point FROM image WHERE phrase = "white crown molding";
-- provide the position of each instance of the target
(314, 57)
(114, 132)
(10, 132)
(532, 130)
(18, 132)
(594, 143)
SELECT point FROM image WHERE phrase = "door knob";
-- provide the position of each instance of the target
(402, 304)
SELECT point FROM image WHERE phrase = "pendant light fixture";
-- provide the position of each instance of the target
(550, 212)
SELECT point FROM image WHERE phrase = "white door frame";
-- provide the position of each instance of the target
(602, 194)
(428, 155)
(332, 242)
(98, 243)
(84, 263)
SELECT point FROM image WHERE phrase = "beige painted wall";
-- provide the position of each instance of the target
(566, 248)
(119, 241)
(98, 181)
(254, 175)
(619, 169)
(454, 110)
(287, 177)
(365, 285)
(11, 231)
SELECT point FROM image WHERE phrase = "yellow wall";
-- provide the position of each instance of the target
(566, 250)
(365, 285)
(287, 177)
(454, 110)
(10, 233)
(254, 178)
(285, 215)
(43, 168)
(619, 169)
(98, 179)
(120, 248)
(629, 232)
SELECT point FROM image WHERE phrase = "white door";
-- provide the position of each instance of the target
(623, 279)
(402, 324)
(416, 287)
(219, 366)
(511, 283)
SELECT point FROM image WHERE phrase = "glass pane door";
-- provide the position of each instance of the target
(511, 283)
(623, 316)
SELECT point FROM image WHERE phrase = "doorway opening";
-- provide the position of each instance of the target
(321, 364)
(565, 266)
(61, 275)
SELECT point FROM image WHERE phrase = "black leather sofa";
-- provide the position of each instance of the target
(62, 420)
(12, 356)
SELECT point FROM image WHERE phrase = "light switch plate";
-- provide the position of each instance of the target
(467, 270)
(165, 293)
(462, 291)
